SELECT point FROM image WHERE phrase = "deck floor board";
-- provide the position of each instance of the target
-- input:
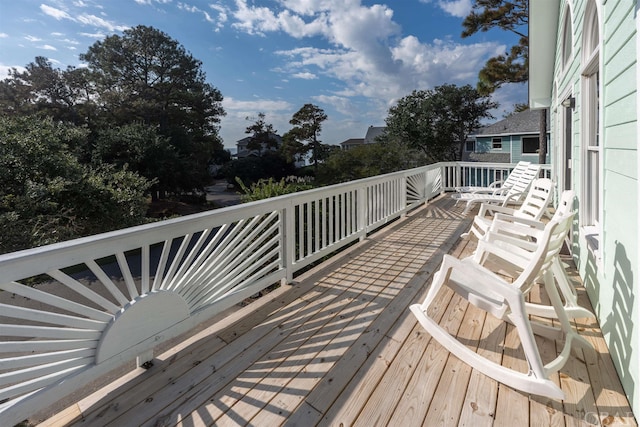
(339, 346)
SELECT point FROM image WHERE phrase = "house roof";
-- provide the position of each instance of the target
(519, 123)
(372, 133)
(247, 139)
(353, 141)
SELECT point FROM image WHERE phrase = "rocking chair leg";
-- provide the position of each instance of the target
(571, 307)
(561, 315)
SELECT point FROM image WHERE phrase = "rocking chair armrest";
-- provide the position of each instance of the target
(487, 207)
(514, 196)
(476, 279)
(508, 244)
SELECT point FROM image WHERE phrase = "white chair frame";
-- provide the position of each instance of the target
(533, 207)
(512, 178)
(490, 292)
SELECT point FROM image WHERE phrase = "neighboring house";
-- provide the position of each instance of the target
(372, 133)
(244, 151)
(351, 143)
(370, 138)
(583, 57)
(515, 138)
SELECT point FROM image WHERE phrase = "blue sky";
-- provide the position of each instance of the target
(352, 58)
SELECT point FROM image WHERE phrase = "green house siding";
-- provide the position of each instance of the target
(610, 269)
(511, 145)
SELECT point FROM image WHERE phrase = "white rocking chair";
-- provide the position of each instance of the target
(505, 300)
(533, 207)
(570, 298)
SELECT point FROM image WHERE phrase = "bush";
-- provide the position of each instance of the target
(266, 188)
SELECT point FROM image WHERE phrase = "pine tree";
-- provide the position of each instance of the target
(513, 67)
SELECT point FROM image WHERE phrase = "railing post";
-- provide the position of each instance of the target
(287, 240)
(403, 195)
(362, 212)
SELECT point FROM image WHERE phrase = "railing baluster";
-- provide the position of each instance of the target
(107, 282)
(166, 282)
(81, 289)
(146, 270)
(157, 280)
(309, 227)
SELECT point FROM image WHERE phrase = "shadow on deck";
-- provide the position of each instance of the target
(340, 347)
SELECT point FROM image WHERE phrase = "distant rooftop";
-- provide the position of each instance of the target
(518, 123)
(372, 133)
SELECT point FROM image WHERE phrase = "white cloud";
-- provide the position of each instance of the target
(255, 20)
(33, 38)
(366, 54)
(85, 18)
(221, 11)
(47, 47)
(342, 104)
(98, 22)
(93, 35)
(457, 8)
(55, 13)
(255, 106)
(3, 35)
(305, 76)
(70, 41)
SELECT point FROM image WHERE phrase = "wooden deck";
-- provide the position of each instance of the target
(340, 347)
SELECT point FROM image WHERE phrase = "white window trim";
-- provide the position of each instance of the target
(591, 64)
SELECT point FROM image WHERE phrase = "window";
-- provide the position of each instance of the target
(590, 206)
(530, 144)
(496, 143)
(567, 37)
(471, 145)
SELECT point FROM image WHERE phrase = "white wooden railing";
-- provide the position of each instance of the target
(104, 300)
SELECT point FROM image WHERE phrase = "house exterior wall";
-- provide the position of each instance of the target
(511, 147)
(606, 252)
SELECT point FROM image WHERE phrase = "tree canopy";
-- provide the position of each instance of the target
(47, 195)
(513, 67)
(512, 16)
(437, 121)
(141, 80)
(262, 134)
(307, 126)
(367, 160)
